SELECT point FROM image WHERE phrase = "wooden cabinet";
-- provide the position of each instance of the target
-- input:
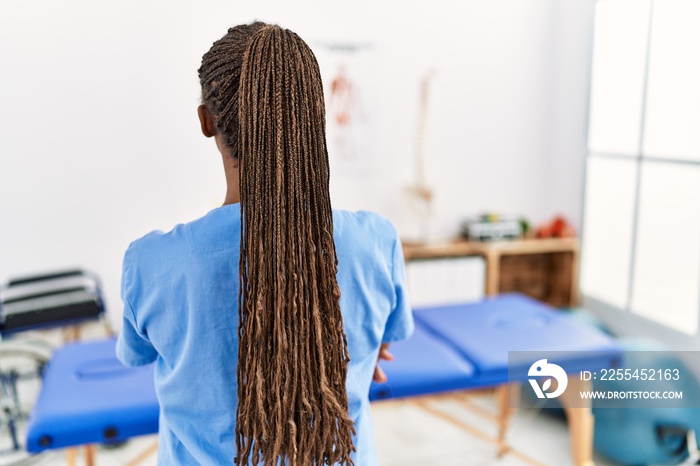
(546, 269)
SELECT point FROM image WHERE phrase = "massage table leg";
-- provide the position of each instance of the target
(109, 331)
(424, 404)
(580, 420)
(144, 454)
(507, 396)
(88, 454)
(503, 419)
(71, 333)
(71, 453)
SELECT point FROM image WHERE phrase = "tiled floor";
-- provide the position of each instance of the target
(407, 435)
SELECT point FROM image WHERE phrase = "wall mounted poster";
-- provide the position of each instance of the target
(349, 71)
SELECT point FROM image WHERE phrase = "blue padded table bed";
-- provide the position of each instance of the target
(88, 397)
(467, 345)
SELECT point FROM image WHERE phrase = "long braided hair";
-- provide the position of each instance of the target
(262, 85)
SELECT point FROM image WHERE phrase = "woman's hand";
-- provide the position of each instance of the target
(379, 375)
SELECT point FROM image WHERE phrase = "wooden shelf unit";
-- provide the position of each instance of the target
(546, 269)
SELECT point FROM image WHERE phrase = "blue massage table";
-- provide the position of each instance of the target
(88, 397)
(466, 346)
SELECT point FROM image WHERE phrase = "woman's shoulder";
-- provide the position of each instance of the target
(155, 247)
(207, 230)
(364, 220)
(364, 228)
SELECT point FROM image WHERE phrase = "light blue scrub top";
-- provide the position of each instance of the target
(180, 292)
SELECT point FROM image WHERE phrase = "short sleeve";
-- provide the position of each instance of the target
(399, 326)
(133, 346)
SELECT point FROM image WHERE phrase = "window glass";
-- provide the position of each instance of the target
(667, 257)
(673, 96)
(607, 229)
(619, 60)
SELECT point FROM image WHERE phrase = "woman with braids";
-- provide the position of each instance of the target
(266, 317)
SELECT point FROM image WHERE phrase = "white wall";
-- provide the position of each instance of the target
(572, 36)
(99, 140)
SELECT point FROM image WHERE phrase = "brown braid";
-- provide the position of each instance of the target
(263, 86)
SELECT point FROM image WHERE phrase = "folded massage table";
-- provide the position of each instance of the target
(87, 397)
(50, 300)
